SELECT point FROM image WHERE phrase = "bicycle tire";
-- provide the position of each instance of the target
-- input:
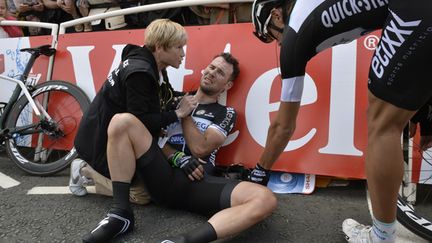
(416, 219)
(408, 217)
(66, 103)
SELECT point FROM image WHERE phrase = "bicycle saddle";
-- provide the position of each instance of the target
(44, 50)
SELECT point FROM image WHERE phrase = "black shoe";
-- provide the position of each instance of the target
(116, 222)
(175, 239)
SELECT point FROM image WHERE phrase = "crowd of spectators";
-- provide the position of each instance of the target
(58, 11)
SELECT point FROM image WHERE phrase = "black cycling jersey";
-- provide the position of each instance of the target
(315, 25)
(205, 116)
(400, 65)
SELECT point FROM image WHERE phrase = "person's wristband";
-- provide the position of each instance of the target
(174, 157)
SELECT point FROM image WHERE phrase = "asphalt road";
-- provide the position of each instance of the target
(64, 218)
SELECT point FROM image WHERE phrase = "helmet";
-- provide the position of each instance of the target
(261, 17)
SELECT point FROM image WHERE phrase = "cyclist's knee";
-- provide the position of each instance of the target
(385, 119)
(120, 123)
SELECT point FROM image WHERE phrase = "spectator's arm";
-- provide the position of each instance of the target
(50, 4)
(22, 8)
(38, 7)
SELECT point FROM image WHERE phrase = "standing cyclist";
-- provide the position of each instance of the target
(398, 83)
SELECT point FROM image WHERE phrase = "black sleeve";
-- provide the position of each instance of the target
(295, 52)
(143, 102)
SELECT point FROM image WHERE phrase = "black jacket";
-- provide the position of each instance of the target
(133, 87)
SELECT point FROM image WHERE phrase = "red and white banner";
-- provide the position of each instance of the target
(331, 127)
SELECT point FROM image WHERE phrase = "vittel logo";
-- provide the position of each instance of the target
(393, 37)
(346, 8)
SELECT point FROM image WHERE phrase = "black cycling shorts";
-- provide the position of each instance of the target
(171, 187)
(400, 71)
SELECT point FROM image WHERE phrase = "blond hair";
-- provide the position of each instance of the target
(164, 33)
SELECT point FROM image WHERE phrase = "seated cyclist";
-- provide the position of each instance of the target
(205, 130)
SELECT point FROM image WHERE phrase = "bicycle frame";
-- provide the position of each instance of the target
(15, 95)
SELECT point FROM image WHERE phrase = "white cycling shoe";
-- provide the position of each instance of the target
(77, 182)
(356, 232)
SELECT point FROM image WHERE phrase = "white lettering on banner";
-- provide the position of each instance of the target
(117, 58)
(82, 68)
(223, 100)
(223, 97)
(371, 42)
(257, 107)
(342, 101)
(176, 76)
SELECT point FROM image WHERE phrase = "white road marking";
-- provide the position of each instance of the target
(55, 190)
(7, 181)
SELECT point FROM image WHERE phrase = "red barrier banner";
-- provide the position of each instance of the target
(331, 127)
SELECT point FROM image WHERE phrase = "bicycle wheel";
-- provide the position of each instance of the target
(414, 207)
(46, 148)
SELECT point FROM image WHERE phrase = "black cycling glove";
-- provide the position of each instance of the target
(185, 162)
(259, 175)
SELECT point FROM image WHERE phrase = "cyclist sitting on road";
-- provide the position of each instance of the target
(202, 142)
(132, 130)
(398, 84)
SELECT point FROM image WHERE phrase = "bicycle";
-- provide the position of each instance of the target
(414, 209)
(38, 127)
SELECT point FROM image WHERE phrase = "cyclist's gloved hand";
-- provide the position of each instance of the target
(190, 165)
(259, 175)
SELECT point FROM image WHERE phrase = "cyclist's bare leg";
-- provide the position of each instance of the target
(384, 161)
(128, 139)
(279, 133)
(250, 203)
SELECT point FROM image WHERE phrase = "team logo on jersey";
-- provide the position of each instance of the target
(200, 112)
(227, 121)
(346, 8)
(176, 139)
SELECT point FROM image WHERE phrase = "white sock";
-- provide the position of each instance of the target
(383, 232)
